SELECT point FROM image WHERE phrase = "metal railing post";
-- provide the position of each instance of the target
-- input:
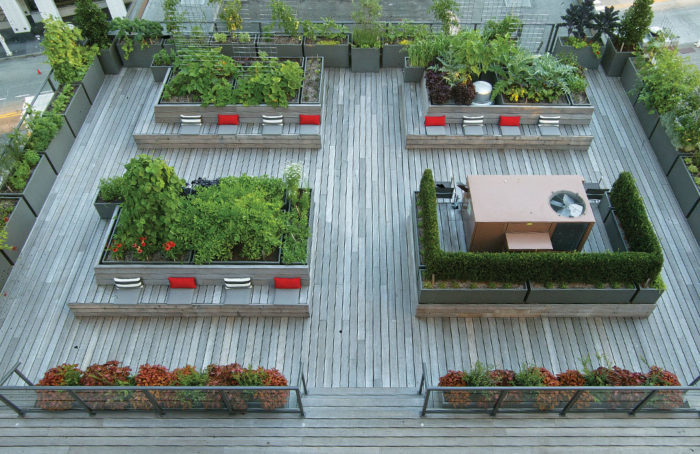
(154, 402)
(570, 403)
(498, 403)
(695, 382)
(422, 380)
(9, 373)
(425, 402)
(303, 383)
(642, 403)
(22, 376)
(301, 405)
(14, 407)
(227, 402)
(80, 401)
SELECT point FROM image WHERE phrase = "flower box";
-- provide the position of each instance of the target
(18, 226)
(665, 151)
(60, 146)
(335, 55)
(613, 61)
(646, 119)
(140, 58)
(684, 187)
(411, 73)
(584, 295)
(77, 109)
(585, 56)
(630, 80)
(92, 81)
(110, 60)
(393, 55)
(364, 60)
(281, 46)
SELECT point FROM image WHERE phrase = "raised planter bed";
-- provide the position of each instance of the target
(584, 295)
(665, 151)
(38, 186)
(281, 46)
(412, 73)
(694, 221)
(630, 80)
(481, 295)
(584, 56)
(364, 60)
(686, 191)
(110, 60)
(335, 56)
(77, 110)
(393, 55)
(613, 61)
(614, 231)
(18, 226)
(60, 146)
(92, 81)
(647, 295)
(159, 72)
(646, 119)
(140, 58)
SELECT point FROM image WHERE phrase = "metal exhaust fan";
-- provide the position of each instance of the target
(567, 204)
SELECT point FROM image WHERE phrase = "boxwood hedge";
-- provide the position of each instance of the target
(642, 264)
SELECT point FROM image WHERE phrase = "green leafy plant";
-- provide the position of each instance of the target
(220, 38)
(444, 12)
(230, 13)
(328, 32)
(269, 81)
(130, 31)
(634, 25)
(68, 59)
(508, 27)
(667, 81)
(284, 18)
(423, 51)
(404, 32)
(163, 57)
(111, 189)
(368, 31)
(92, 22)
(172, 17)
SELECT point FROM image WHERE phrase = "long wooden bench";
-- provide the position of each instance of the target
(188, 310)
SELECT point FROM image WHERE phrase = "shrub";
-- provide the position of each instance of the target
(632, 215)
(92, 21)
(635, 23)
(111, 189)
(367, 32)
(107, 374)
(68, 59)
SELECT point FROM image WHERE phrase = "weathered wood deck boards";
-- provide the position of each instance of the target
(362, 332)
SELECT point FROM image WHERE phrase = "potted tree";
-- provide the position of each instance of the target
(328, 40)
(93, 23)
(579, 18)
(138, 39)
(366, 37)
(634, 25)
(287, 44)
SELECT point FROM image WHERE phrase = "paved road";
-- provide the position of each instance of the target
(18, 80)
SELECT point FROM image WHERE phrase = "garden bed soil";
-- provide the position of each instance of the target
(313, 74)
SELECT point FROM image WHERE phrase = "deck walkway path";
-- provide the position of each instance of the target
(362, 332)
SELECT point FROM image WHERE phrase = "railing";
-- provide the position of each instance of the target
(559, 399)
(159, 399)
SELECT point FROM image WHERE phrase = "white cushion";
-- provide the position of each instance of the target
(472, 117)
(191, 117)
(191, 121)
(135, 285)
(273, 117)
(127, 280)
(550, 117)
(549, 122)
(235, 286)
(272, 122)
(237, 280)
(472, 122)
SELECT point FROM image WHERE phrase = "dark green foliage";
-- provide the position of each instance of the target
(478, 376)
(297, 231)
(579, 18)
(112, 189)
(641, 265)
(92, 21)
(635, 23)
(606, 22)
(529, 376)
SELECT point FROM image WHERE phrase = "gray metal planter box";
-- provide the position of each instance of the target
(647, 295)
(585, 56)
(280, 50)
(18, 227)
(159, 72)
(39, 185)
(631, 81)
(411, 73)
(393, 55)
(5, 269)
(665, 151)
(580, 295)
(92, 81)
(105, 209)
(141, 58)
(77, 110)
(60, 146)
(615, 234)
(613, 61)
(364, 60)
(335, 56)
(646, 119)
(471, 296)
(684, 187)
(605, 206)
(694, 222)
(110, 60)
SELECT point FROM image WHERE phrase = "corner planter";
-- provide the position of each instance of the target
(664, 150)
(646, 119)
(613, 61)
(647, 295)
(335, 56)
(684, 187)
(92, 81)
(18, 227)
(471, 296)
(60, 146)
(110, 60)
(393, 55)
(268, 44)
(631, 81)
(615, 234)
(158, 72)
(141, 58)
(77, 110)
(105, 209)
(39, 185)
(364, 60)
(411, 73)
(584, 56)
(580, 295)
(694, 222)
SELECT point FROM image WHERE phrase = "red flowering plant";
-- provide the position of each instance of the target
(665, 400)
(63, 375)
(273, 399)
(107, 374)
(223, 376)
(149, 375)
(575, 378)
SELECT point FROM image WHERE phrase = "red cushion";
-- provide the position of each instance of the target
(309, 119)
(509, 121)
(228, 119)
(435, 121)
(182, 282)
(288, 282)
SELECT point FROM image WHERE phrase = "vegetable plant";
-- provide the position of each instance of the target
(230, 13)
(130, 31)
(368, 31)
(326, 33)
(444, 12)
(68, 59)
(111, 189)
(269, 81)
(284, 18)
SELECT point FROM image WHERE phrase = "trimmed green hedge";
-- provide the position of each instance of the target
(642, 264)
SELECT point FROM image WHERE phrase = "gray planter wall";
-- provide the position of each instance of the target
(5, 269)
(631, 81)
(77, 110)
(60, 146)
(92, 81)
(393, 55)
(613, 61)
(647, 295)
(140, 58)
(605, 206)
(665, 152)
(337, 56)
(585, 56)
(159, 73)
(106, 209)
(411, 73)
(615, 235)
(110, 60)
(694, 222)
(280, 50)
(364, 60)
(471, 296)
(684, 187)
(646, 119)
(39, 185)
(581, 295)
(18, 228)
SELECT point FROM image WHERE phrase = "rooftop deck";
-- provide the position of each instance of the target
(362, 332)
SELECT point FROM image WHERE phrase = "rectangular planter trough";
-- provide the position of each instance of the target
(140, 58)
(92, 81)
(647, 295)
(684, 187)
(584, 56)
(393, 55)
(5, 269)
(39, 185)
(694, 221)
(411, 73)
(631, 81)
(665, 151)
(646, 119)
(77, 110)
(615, 234)
(580, 295)
(471, 296)
(282, 50)
(613, 61)
(110, 60)
(335, 56)
(60, 146)
(18, 227)
(364, 60)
